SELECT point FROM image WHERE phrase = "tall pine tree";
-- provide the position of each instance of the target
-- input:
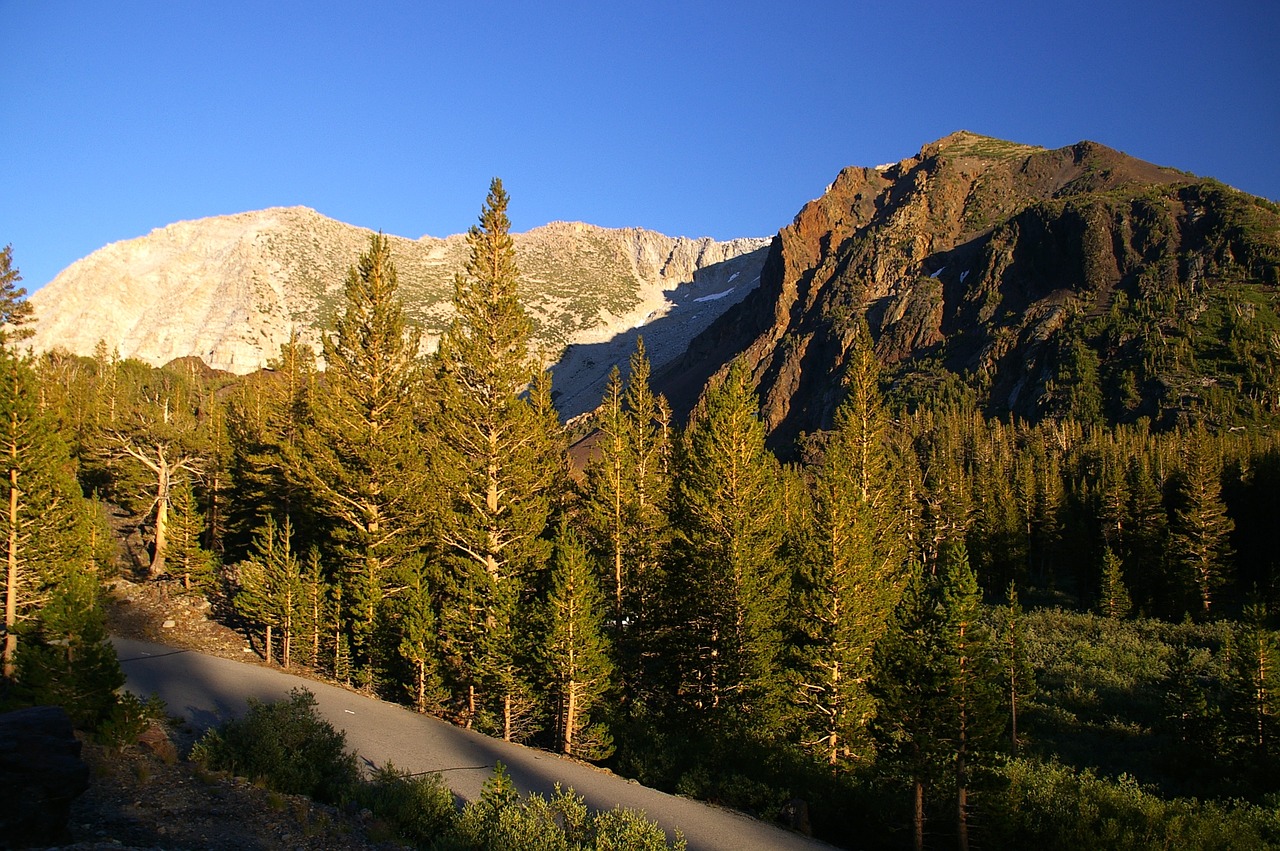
(491, 452)
(271, 588)
(1199, 539)
(626, 494)
(732, 587)
(188, 560)
(55, 646)
(850, 585)
(911, 686)
(361, 456)
(576, 650)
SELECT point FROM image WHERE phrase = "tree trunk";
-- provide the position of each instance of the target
(1261, 701)
(506, 717)
(570, 717)
(617, 582)
(11, 573)
(268, 644)
(337, 641)
(421, 673)
(1013, 712)
(833, 740)
(918, 818)
(162, 520)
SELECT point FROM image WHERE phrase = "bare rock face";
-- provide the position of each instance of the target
(231, 289)
(978, 257)
(40, 773)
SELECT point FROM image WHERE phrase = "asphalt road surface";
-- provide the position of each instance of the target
(206, 690)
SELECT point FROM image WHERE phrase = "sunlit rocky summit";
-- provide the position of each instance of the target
(231, 289)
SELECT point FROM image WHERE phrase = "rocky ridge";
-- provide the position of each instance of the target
(984, 259)
(231, 289)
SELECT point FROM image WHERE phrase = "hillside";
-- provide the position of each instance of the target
(1040, 282)
(231, 289)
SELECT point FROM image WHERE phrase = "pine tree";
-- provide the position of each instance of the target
(576, 651)
(67, 658)
(216, 483)
(270, 589)
(107, 372)
(1199, 540)
(625, 500)
(971, 707)
(266, 419)
(155, 441)
(607, 494)
(491, 456)
(911, 686)
(947, 494)
(1015, 662)
(419, 639)
(998, 533)
(1113, 601)
(45, 527)
(505, 652)
(55, 642)
(852, 576)
(1046, 520)
(936, 687)
(15, 310)
(733, 588)
(490, 428)
(360, 458)
(187, 559)
(315, 613)
(1254, 686)
(1147, 542)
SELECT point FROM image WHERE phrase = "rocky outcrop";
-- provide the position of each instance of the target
(977, 258)
(231, 289)
(41, 774)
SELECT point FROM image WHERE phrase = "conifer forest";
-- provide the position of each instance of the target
(926, 627)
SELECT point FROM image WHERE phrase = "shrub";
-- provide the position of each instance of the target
(286, 745)
(501, 819)
(622, 829)
(418, 808)
(128, 719)
(1049, 806)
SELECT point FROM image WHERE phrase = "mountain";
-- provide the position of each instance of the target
(1037, 282)
(231, 289)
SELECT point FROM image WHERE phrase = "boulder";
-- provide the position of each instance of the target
(156, 741)
(41, 773)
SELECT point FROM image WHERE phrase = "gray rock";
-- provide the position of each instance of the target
(41, 773)
(231, 289)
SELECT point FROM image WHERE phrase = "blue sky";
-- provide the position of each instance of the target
(698, 119)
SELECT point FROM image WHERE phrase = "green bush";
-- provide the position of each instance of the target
(501, 819)
(287, 746)
(622, 829)
(128, 719)
(1049, 806)
(417, 808)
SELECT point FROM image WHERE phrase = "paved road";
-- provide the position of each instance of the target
(206, 690)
